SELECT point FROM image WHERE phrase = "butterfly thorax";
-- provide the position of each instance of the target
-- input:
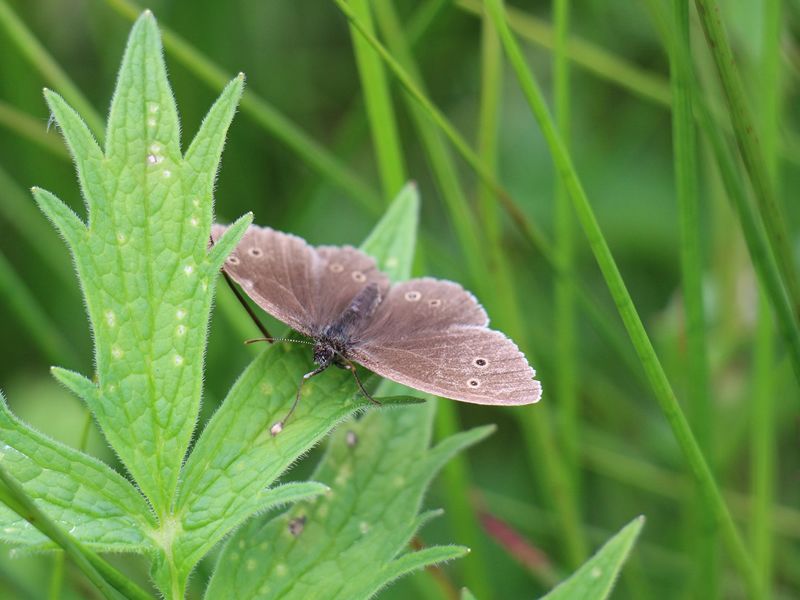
(335, 339)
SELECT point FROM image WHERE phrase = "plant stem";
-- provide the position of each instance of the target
(747, 139)
(650, 362)
(698, 389)
(378, 102)
(566, 346)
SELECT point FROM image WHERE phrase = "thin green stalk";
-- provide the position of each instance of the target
(763, 446)
(32, 316)
(588, 56)
(420, 22)
(263, 113)
(701, 526)
(620, 462)
(442, 165)
(764, 435)
(566, 347)
(747, 139)
(758, 246)
(668, 402)
(108, 580)
(38, 56)
(378, 102)
(56, 577)
(457, 482)
(538, 435)
(31, 128)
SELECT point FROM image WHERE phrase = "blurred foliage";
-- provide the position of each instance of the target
(298, 57)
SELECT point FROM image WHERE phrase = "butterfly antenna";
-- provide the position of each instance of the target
(272, 339)
(278, 427)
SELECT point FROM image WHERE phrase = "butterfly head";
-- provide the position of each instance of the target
(324, 353)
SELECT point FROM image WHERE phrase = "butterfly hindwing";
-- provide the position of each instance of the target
(431, 335)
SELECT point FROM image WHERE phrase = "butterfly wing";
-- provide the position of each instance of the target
(432, 335)
(303, 286)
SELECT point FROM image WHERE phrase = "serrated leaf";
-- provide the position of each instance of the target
(143, 262)
(595, 579)
(414, 561)
(378, 469)
(96, 505)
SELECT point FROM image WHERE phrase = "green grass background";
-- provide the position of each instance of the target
(597, 451)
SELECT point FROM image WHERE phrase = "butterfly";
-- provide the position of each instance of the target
(429, 334)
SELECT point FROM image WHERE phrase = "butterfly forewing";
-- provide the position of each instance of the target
(432, 335)
(303, 286)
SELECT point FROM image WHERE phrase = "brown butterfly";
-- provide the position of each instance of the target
(428, 334)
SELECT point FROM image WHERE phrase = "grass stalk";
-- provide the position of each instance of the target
(701, 525)
(264, 114)
(564, 300)
(752, 154)
(38, 56)
(378, 102)
(32, 129)
(755, 237)
(668, 402)
(763, 467)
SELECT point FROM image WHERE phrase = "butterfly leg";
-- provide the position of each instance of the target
(278, 427)
(352, 368)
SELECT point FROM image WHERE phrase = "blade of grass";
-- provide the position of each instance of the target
(700, 525)
(667, 401)
(106, 578)
(564, 298)
(31, 128)
(263, 113)
(538, 436)
(747, 140)
(441, 162)
(758, 246)
(586, 55)
(763, 442)
(38, 56)
(380, 110)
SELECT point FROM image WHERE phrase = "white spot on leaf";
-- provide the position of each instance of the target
(151, 122)
(194, 221)
(111, 318)
(281, 569)
(188, 269)
(152, 107)
(117, 352)
(178, 360)
(180, 314)
(181, 330)
(166, 173)
(596, 572)
(363, 527)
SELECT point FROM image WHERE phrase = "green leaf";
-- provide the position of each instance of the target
(467, 595)
(391, 242)
(93, 503)
(596, 577)
(143, 262)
